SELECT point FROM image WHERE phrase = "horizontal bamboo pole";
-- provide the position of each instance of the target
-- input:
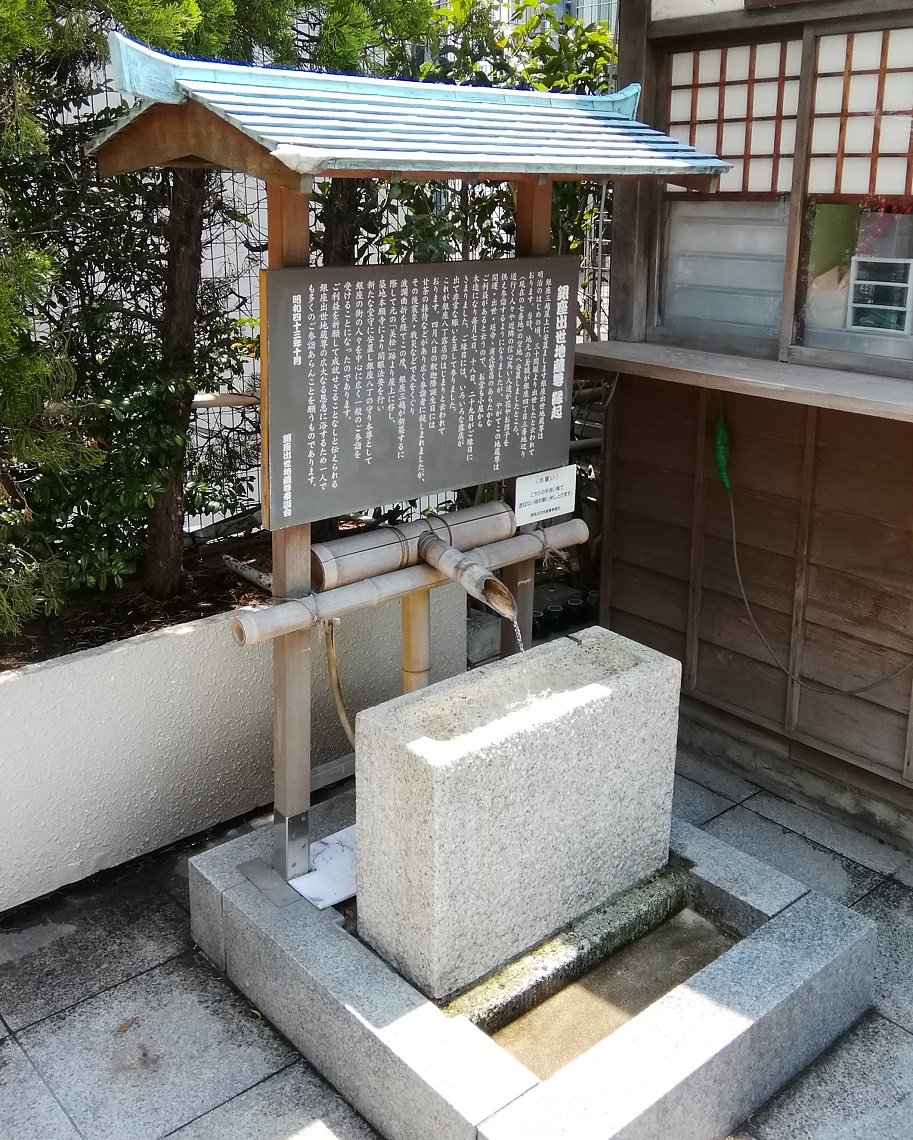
(262, 623)
(381, 551)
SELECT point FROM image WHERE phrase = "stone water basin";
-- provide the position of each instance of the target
(586, 1011)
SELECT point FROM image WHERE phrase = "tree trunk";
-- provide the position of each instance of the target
(164, 563)
(340, 222)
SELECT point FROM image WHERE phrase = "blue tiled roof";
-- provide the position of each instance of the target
(315, 123)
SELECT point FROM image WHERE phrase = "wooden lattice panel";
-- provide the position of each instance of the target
(863, 114)
(740, 103)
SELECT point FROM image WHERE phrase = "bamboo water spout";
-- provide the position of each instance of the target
(262, 623)
(476, 580)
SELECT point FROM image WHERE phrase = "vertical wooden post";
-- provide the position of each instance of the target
(803, 542)
(635, 203)
(416, 640)
(534, 239)
(696, 571)
(288, 230)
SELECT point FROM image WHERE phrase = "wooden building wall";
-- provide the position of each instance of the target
(824, 512)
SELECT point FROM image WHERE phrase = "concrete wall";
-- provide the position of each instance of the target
(674, 9)
(110, 753)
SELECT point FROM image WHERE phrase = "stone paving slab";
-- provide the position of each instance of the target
(734, 889)
(720, 780)
(824, 870)
(295, 1104)
(861, 848)
(57, 953)
(27, 1109)
(904, 873)
(861, 1089)
(170, 868)
(891, 906)
(155, 1052)
(696, 804)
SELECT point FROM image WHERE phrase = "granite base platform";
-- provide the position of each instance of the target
(693, 1065)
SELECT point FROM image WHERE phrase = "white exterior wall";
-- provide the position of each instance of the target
(110, 753)
(678, 9)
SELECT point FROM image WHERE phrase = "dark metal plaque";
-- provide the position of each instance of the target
(387, 383)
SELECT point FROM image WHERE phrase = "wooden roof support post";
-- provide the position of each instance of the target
(288, 230)
(534, 239)
(635, 204)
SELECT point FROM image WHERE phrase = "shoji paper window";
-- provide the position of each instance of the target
(740, 103)
(863, 114)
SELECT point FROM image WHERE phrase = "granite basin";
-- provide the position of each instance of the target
(693, 1064)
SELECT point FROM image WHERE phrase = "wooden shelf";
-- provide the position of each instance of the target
(863, 393)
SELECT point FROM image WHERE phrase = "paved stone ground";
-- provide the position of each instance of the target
(113, 1026)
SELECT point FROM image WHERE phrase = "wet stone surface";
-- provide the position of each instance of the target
(567, 1024)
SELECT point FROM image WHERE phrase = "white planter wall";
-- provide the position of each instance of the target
(109, 753)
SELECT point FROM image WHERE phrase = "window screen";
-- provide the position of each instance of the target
(724, 265)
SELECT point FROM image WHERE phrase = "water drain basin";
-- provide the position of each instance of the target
(565, 1025)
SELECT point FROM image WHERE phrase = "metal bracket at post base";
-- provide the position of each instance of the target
(291, 844)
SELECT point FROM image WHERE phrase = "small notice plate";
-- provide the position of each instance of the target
(546, 494)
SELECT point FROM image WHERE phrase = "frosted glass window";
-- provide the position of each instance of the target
(791, 97)
(705, 138)
(709, 66)
(832, 53)
(900, 47)
(788, 136)
(767, 61)
(829, 96)
(856, 175)
(762, 138)
(863, 92)
(733, 138)
(680, 107)
(867, 51)
(785, 176)
(736, 101)
(825, 136)
(860, 134)
(891, 176)
(898, 90)
(737, 59)
(682, 67)
(760, 175)
(708, 103)
(896, 132)
(822, 174)
(764, 100)
(723, 268)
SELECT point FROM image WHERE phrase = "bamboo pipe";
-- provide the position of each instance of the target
(475, 579)
(416, 640)
(262, 623)
(388, 548)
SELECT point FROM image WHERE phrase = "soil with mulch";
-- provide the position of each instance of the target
(95, 618)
